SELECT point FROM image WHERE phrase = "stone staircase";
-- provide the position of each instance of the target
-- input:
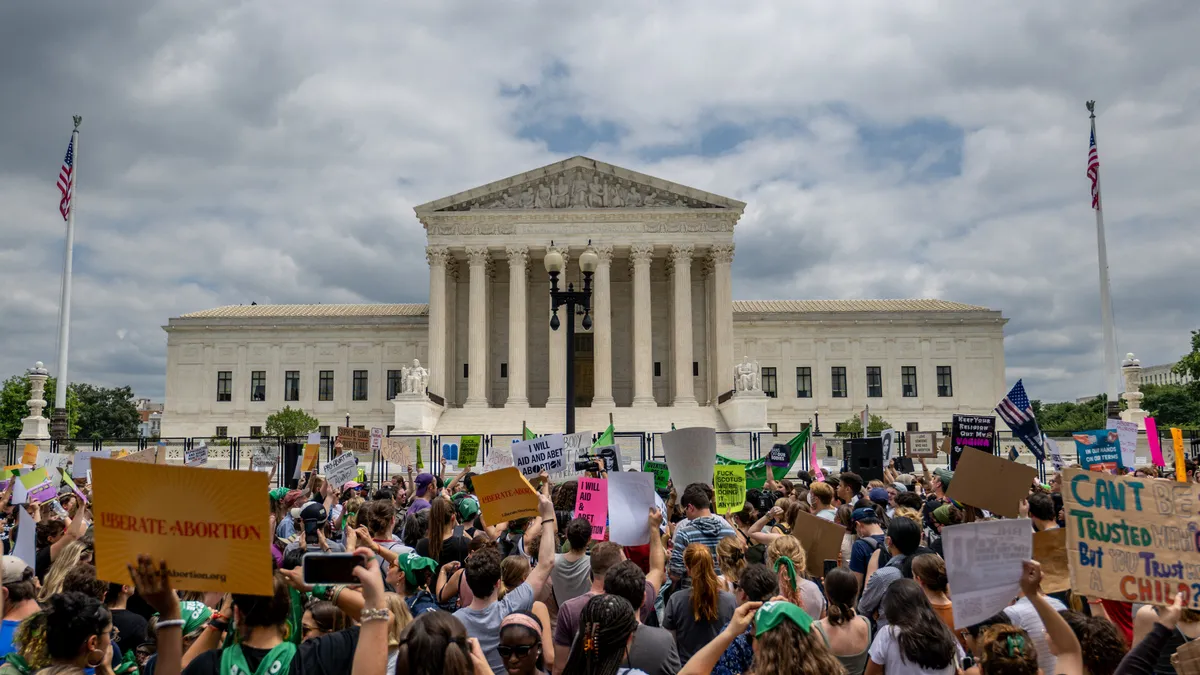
(553, 419)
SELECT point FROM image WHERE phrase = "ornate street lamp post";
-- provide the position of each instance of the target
(576, 302)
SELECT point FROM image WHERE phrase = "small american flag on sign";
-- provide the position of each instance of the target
(66, 179)
(1093, 170)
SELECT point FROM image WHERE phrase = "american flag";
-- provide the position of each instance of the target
(1017, 413)
(1093, 170)
(66, 179)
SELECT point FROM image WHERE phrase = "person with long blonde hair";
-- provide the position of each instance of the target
(695, 615)
(72, 554)
(786, 556)
(731, 552)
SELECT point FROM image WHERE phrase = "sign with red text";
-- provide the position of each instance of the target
(505, 495)
(212, 527)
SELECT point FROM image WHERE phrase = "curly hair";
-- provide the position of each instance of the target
(732, 554)
(605, 625)
(789, 547)
(787, 650)
(72, 618)
(1103, 647)
(377, 517)
(1007, 650)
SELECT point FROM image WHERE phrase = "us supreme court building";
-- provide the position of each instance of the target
(665, 338)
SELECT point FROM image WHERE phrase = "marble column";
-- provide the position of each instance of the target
(640, 256)
(477, 258)
(681, 263)
(436, 256)
(602, 323)
(518, 396)
(558, 340)
(721, 313)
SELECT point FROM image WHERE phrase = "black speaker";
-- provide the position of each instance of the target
(292, 453)
(866, 458)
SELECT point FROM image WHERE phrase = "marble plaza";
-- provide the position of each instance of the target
(668, 342)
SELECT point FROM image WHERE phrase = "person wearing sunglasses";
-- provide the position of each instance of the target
(521, 644)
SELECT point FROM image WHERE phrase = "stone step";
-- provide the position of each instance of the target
(553, 419)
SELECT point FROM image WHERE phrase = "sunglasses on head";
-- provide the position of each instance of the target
(520, 650)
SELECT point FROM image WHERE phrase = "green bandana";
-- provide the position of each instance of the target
(276, 662)
(295, 616)
(278, 493)
(194, 614)
(791, 568)
(14, 659)
(771, 614)
(942, 514)
(128, 665)
(411, 563)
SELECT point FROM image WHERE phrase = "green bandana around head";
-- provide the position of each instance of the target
(942, 514)
(278, 493)
(771, 614)
(412, 563)
(785, 561)
(194, 615)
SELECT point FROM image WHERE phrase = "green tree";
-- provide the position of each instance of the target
(874, 426)
(1172, 405)
(290, 423)
(15, 392)
(1071, 416)
(1189, 365)
(106, 412)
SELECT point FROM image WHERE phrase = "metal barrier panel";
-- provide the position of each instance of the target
(736, 444)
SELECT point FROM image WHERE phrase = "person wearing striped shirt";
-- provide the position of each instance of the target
(702, 527)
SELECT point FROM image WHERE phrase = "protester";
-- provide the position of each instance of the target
(867, 526)
(786, 556)
(1102, 645)
(322, 618)
(822, 498)
(571, 576)
(915, 641)
(20, 599)
(758, 585)
(697, 613)
(848, 633)
(786, 642)
(731, 554)
(445, 542)
(652, 649)
(514, 570)
(929, 571)
(522, 645)
(606, 624)
(702, 528)
(902, 541)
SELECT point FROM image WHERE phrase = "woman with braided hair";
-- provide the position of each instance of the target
(606, 627)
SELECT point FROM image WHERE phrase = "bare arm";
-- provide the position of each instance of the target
(539, 575)
(1066, 645)
(75, 530)
(658, 555)
(543, 617)
(704, 661)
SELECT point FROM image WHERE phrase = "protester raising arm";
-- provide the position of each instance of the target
(757, 535)
(371, 653)
(76, 528)
(704, 661)
(537, 578)
(1143, 658)
(1066, 645)
(153, 585)
(657, 575)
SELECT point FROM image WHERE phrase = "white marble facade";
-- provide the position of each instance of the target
(666, 331)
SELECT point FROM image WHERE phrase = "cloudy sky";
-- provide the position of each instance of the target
(272, 151)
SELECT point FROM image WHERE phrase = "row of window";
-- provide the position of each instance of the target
(222, 431)
(291, 385)
(838, 387)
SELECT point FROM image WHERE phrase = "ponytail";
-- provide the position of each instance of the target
(705, 587)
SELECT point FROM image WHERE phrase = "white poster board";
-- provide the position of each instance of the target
(544, 453)
(82, 462)
(983, 563)
(691, 454)
(888, 438)
(1127, 432)
(53, 460)
(630, 498)
(196, 456)
(341, 469)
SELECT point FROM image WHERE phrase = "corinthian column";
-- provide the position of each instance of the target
(722, 315)
(602, 322)
(436, 257)
(681, 262)
(640, 256)
(477, 258)
(558, 340)
(518, 257)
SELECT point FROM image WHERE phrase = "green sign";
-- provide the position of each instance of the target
(468, 451)
(661, 473)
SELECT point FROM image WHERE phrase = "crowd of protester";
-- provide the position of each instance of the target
(443, 591)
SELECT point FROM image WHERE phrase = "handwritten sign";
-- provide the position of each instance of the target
(53, 460)
(729, 487)
(196, 456)
(354, 440)
(30, 454)
(82, 463)
(212, 527)
(1131, 539)
(591, 503)
(662, 474)
(468, 451)
(376, 439)
(970, 431)
(1154, 442)
(397, 452)
(1127, 433)
(499, 456)
(544, 453)
(1098, 450)
(922, 444)
(341, 469)
(505, 495)
(983, 564)
(263, 458)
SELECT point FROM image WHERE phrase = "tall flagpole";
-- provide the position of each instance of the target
(58, 420)
(1111, 371)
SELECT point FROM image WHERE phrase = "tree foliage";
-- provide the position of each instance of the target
(14, 394)
(290, 423)
(106, 412)
(1071, 416)
(1172, 405)
(1189, 366)
(874, 426)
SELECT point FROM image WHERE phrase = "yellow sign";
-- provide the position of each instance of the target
(212, 527)
(1176, 436)
(505, 495)
(30, 455)
(311, 454)
(729, 486)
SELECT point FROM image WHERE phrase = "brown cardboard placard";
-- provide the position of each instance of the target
(986, 481)
(821, 539)
(1050, 549)
(354, 440)
(921, 444)
(397, 452)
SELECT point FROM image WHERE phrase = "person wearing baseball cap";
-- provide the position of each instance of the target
(21, 588)
(424, 489)
(867, 525)
(315, 519)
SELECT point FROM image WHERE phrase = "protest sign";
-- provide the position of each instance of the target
(1155, 444)
(983, 564)
(212, 527)
(630, 498)
(1127, 433)
(691, 453)
(813, 464)
(468, 451)
(70, 482)
(575, 445)
(141, 456)
(1098, 450)
(544, 453)
(1177, 445)
(341, 470)
(989, 482)
(312, 453)
(505, 495)
(450, 452)
(821, 539)
(1131, 539)
(53, 460)
(1055, 454)
(38, 485)
(970, 431)
(196, 456)
(662, 474)
(729, 487)
(779, 456)
(376, 439)
(396, 452)
(30, 454)
(887, 438)
(354, 440)
(591, 503)
(82, 462)
(921, 444)
(263, 458)
(499, 456)
(1050, 549)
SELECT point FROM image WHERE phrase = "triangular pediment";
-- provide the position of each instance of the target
(580, 183)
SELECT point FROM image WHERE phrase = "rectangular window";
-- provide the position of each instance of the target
(908, 381)
(393, 384)
(874, 382)
(838, 376)
(773, 427)
(911, 426)
(258, 385)
(323, 430)
(291, 385)
(658, 368)
(360, 385)
(222, 432)
(325, 385)
(804, 382)
(769, 384)
(695, 369)
(466, 370)
(224, 385)
(503, 370)
(945, 381)
(256, 431)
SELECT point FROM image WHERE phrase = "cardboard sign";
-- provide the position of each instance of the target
(30, 454)
(1127, 433)
(354, 440)
(729, 488)
(341, 469)
(1050, 549)
(989, 482)
(468, 451)
(591, 503)
(779, 455)
(888, 441)
(499, 456)
(1098, 450)
(53, 460)
(396, 452)
(630, 498)
(376, 439)
(662, 474)
(544, 453)
(196, 456)
(1131, 539)
(821, 539)
(1155, 444)
(141, 456)
(970, 431)
(505, 495)
(212, 527)
(312, 454)
(922, 444)
(691, 453)
(983, 564)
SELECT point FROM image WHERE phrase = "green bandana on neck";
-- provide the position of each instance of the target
(771, 614)
(276, 662)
